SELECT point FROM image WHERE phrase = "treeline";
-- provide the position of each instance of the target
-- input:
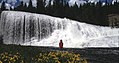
(89, 12)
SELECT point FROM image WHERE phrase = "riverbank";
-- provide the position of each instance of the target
(89, 55)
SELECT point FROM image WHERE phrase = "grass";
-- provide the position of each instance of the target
(28, 54)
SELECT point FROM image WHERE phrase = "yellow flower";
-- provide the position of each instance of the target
(0, 61)
(62, 55)
(84, 61)
(53, 55)
(66, 52)
(17, 53)
(9, 62)
(55, 58)
(6, 53)
(14, 60)
(6, 56)
(75, 55)
(3, 57)
(78, 54)
(10, 54)
(22, 61)
(11, 59)
(39, 59)
(32, 58)
(73, 59)
(15, 56)
(77, 58)
(58, 62)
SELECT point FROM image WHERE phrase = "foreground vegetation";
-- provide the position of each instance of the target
(22, 54)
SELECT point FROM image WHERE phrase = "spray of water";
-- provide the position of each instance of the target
(42, 30)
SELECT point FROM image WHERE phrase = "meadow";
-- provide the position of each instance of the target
(29, 54)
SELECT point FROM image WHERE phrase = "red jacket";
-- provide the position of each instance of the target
(61, 44)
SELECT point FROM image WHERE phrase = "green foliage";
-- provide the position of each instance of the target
(30, 7)
(40, 6)
(27, 54)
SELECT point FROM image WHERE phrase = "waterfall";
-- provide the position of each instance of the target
(42, 30)
(20, 27)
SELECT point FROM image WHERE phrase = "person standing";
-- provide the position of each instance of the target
(61, 44)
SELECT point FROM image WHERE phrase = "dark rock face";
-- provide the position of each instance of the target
(113, 20)
(1, 39)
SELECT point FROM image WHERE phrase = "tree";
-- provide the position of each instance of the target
(3, 6)
(40, 6)
(88, 12)
(20, 7)
(25, 7)
(66, 8)
(11, 8)
(49, 8)
(30, 7)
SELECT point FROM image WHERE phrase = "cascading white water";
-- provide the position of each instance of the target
(42, 30)
(20, 27)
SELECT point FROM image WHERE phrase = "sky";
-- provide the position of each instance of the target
(71, 2)
(16, 2)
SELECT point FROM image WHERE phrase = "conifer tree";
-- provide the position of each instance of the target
(49, 8)
(30, 7)
(3, 6)
(40, 6)
(20, 7)
(25, 7)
